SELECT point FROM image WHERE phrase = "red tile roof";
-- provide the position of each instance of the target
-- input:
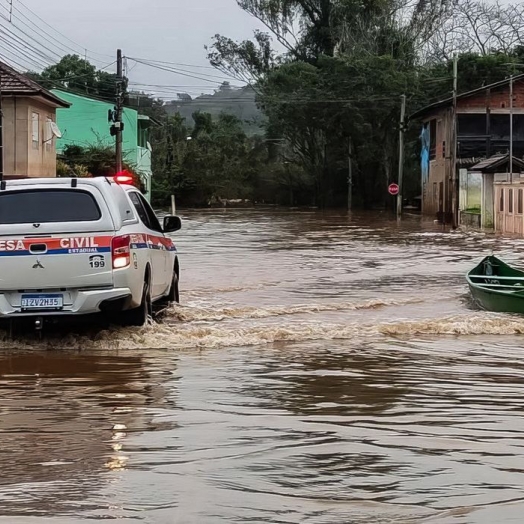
(14, 83)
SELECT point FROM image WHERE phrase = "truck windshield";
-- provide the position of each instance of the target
(45, 205)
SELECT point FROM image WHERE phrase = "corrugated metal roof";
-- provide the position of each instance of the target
(14, 83)
(496, 161)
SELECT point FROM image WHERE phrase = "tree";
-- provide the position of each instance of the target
(246, 61)
(478, 27)
(94, 161)
(78, 75)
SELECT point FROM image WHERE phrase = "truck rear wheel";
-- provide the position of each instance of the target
(139, 316)
(174, 294)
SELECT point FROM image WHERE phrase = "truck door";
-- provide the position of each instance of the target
(156, 248)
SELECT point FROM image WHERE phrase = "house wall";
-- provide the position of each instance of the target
(434, 199)
(436, 193)
(85, 123)
(21, 157)
(497, 99)
(41, 155)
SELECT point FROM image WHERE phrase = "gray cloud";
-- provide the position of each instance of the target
(166, 30)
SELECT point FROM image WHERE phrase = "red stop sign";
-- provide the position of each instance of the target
(393, 189)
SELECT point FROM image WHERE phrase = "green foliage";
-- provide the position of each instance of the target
(214, 159)
(320, 108)
(92, 161)
(78, 75)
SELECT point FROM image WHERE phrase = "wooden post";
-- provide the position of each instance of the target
(401, 154)
(488, 123)
(350, 175)
(454, 185)
(511, 129)
(173, 206)
(1, 133)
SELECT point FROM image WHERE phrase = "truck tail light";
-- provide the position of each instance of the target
(121, 252)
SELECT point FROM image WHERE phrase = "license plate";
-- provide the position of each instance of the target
(42, 301)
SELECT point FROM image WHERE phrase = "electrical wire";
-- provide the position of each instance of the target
(181, 72)
(161, 62)
(10, 34)
(83, 48)
(17, 51)
(58, 56)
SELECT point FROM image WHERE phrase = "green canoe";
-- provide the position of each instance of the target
(495, 286)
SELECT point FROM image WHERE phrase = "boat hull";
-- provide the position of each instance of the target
(498, 301)
(496, 286)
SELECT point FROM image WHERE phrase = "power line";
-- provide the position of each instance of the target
(62, 49)
(181, 72)
(174, 63)
(56, 31)
(177, 85)
(32, 39)
(17, 51)
(21, 41)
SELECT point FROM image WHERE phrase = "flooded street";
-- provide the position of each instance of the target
(322, 369)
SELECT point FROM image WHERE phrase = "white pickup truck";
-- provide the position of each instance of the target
(81, 246)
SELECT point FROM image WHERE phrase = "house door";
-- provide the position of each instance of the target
(441, 198)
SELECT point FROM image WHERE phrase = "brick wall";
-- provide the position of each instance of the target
(499, 98)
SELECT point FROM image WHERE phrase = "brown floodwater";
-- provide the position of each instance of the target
(322, 369)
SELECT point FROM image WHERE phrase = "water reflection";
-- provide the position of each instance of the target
(343, 383)
(64, 422)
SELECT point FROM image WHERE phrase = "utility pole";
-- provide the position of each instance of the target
(454, 185)
(10, 11)
(401, 153)
(1, 133)
(350, 174)
(511, 129)
(119, 102)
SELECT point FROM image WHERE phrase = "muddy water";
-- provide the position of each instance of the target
(322, 369)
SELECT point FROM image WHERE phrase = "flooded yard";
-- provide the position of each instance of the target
(321, 369)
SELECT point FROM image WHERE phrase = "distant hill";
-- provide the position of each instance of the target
(226, 99)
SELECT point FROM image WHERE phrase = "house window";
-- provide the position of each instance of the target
(435, 193)
(510, 201)
(520, 202)
(432, 139)
(48, 135)
(35, 130)
(501, 200)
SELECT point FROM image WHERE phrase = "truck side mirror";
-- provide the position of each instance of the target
(172, 224)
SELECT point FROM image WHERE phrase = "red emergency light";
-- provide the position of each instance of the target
(124, 178)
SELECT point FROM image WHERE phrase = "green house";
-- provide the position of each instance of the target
(85, 123)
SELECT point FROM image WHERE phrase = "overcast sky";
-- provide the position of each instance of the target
(166, 30)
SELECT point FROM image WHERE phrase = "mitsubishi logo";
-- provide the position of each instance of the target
(38, 265)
